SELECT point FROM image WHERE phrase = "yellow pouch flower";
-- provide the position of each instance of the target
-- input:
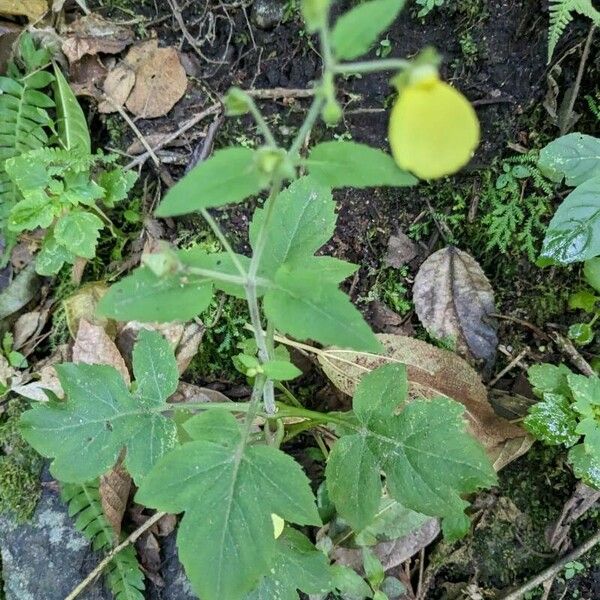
(433, 128)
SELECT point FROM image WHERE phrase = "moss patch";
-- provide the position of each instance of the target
(20, 467)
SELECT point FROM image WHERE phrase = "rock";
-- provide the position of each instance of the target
(267, 14)
(47, 557)
(176, 584)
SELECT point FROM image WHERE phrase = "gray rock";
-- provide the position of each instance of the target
(47, 557)
(177, 586)
(267, 14)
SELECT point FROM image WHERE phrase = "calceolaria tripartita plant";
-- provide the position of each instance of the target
(233, 482)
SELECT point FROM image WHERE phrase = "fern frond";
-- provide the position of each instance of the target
(24, 116)
(562, 13)
(123, 575)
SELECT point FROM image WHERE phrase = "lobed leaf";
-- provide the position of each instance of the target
(228, 491)
(101, 417)
(428, 458)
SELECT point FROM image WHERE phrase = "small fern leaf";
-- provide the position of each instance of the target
(561, 14)
(124, 576)
(86, 507)
(72, 127)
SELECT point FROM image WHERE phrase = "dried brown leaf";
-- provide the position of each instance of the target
(92, 34)
(25, 327)
(32, 9)
(454, 300)
(117, 86)
(392, 553)
(114, 493)
(87, 77)
(433, 372)
(188, 345)
(401, 250)
(160, 82)
(82, 305)
(93, 346)
(9, 32)
(35, 390)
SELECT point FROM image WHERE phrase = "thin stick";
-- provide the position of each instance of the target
(106, 560)
(566, 346)
(554, 569)
(211, 110)
(135, 130)
(279, 92)
(509, 367)
(584, 56)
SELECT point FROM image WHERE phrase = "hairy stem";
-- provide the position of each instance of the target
(224, 242)
(371, 66)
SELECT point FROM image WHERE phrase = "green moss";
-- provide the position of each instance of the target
(391, 288)
(20, 467)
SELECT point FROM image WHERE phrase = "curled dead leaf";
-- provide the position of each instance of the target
(454, 300)
(114, 493)
(92, 34)
(433, 372)
(36, 390)
(82, 305)
(93, 346)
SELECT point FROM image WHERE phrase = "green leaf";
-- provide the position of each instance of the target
(348, 164)
(299, 566)
(117, 184)
(429, 459)
(549, 378)
(583, 300)
(52, 257)
(228, 491)
(281, 370)
(591, 272)
(72, 126)
(574, 157)
(581, 333)
(101, 417)
(553, 420)
(32, 212)
(586, 465)
(359, 28)
(391, 522)
(373, 568)
(305, 306)
(302, 220)
(78, 232)
(349, 583)
(228, 177)
(143, 296)
(574, 231)
(315, 13)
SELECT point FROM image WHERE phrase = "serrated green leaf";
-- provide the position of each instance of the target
(373, 568)
(238, 487)
(574, 231)
(143, 296)
(78, 232)
(553, 420)
(116, 184)
(428, 458)
(302, 220)
(30, 213)
(228, 177)
(349, 583)
(101, 417)
(52, 256)
(72, 126)
(585, 465)
(348, 164)
(305, 306)
(549, 378)
(359, 28)
(299, 566)
(574, 157)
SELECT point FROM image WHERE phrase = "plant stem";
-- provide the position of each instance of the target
(262, 124)
(311, 117)
(221, 237)
(371, 66)
(217, 275)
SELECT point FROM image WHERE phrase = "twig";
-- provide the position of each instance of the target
(130, 539)
(211, 110)
(584, 56)
(138, 133)
(554, 569)
(566, 346)
(509, 367)
(280, 92)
